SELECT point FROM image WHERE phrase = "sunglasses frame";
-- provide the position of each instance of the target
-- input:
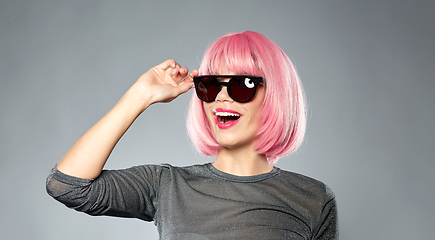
(255, 79)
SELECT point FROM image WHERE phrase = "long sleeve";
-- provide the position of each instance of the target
(122, 193)
(200, 202)
(328, 223)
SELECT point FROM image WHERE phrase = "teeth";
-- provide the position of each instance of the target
(227, 114)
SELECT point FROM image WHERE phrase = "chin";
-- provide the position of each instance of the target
(229, 142)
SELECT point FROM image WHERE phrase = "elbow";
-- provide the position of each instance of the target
(50, 186)
(70, 191)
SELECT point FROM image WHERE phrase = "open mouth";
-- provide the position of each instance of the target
(226, 117)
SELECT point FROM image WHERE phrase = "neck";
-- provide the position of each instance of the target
(241, 162)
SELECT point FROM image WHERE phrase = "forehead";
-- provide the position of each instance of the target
(225, 64)
(223, 70)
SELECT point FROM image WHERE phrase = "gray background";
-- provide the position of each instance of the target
(367, 67)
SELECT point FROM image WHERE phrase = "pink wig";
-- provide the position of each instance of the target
(283, 114)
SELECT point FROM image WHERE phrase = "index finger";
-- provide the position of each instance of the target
(166, 64)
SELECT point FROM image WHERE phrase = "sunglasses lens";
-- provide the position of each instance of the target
(242, 88)
(207, 88)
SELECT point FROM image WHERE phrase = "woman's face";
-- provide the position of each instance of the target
(234, 124)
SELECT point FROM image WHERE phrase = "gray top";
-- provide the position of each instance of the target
(201, 202)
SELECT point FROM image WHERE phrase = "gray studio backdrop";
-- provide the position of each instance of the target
(367, 67)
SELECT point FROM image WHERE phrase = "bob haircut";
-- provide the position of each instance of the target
(283, 113)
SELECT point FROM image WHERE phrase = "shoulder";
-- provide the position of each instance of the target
(162, 171)
(192, 169)
(307, 188)
(302, 181)
(302, 189)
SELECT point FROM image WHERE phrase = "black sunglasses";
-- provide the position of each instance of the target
(241, 88)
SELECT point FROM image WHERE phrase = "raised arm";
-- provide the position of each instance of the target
(162, 83)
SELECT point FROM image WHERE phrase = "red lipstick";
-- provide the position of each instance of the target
(226, 118)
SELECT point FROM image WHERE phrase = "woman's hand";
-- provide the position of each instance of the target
(164, 82)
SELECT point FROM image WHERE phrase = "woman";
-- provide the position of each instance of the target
(248, 111)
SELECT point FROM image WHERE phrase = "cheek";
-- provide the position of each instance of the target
(256, 109)
(257, 103)
(255, 121)
(208, 113)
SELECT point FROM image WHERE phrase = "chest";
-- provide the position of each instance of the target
(229, 211)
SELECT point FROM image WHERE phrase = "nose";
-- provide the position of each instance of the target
(223, 96)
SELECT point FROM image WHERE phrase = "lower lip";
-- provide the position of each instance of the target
(225, 125)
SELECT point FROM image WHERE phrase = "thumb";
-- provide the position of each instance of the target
(185, 85)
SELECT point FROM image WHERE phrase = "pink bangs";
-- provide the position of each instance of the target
(283, 114)
(234, 52)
